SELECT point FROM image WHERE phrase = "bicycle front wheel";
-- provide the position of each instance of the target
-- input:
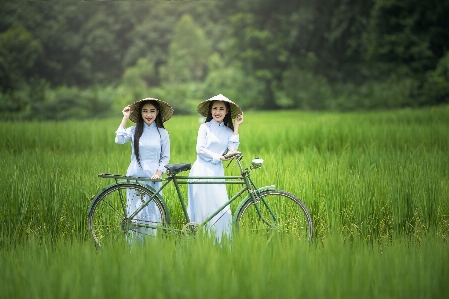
(109, 218)
(275, 211)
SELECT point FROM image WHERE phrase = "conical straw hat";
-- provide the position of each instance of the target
(203, 107)
(166, 111)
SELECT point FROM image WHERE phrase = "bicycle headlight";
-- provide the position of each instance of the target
(256, 163)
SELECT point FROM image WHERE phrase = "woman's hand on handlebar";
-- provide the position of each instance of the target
(230, 155)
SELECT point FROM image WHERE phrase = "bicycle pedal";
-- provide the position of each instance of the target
(190, 227)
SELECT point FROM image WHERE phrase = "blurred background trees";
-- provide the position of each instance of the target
(62, 60)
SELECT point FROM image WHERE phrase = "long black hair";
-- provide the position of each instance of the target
(140, 125)
(227, 119)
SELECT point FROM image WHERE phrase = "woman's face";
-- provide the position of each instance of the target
(149, 113)
(219, 111)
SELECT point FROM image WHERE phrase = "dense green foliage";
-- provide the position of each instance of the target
(57, 57)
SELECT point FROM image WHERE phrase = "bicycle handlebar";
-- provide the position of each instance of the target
(232, 155)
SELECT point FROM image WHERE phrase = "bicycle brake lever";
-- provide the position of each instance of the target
(235, 161)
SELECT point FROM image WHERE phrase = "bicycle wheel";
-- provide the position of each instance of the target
(109, 217)
(283, 213)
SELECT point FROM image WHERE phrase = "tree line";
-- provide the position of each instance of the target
(65, 59)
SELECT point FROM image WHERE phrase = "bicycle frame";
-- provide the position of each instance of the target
(244, 179)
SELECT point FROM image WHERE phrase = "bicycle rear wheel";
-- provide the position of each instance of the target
(109, 216)
(284, 214)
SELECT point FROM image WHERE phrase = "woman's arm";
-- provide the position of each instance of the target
(165, 155)
(201, 149)
(234, 139)
(122, 135)
(126, 112)
(237, 122)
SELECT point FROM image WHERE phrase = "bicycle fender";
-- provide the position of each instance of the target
(94, 198)
(237, 210)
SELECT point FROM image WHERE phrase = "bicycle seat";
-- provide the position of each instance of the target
(176, 168)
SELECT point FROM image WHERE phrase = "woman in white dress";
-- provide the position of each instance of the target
(150, 144)
(217, 135)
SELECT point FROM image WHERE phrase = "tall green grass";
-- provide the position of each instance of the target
(373, 175)
(376, 183)
(247, 268)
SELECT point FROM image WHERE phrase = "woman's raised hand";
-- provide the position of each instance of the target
(126, 111)
(238, 119)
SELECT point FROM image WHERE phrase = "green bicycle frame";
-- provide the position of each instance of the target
(244, 179)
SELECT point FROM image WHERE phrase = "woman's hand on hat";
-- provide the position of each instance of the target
(126, 111)
(238, 119)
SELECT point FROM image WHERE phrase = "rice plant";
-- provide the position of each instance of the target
(376, 184)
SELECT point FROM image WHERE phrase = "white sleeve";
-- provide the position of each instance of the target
(201, 149)
(123, 135)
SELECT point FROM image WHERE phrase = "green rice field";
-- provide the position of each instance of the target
(376, 184)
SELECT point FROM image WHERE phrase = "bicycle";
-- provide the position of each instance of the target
(262, 210)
